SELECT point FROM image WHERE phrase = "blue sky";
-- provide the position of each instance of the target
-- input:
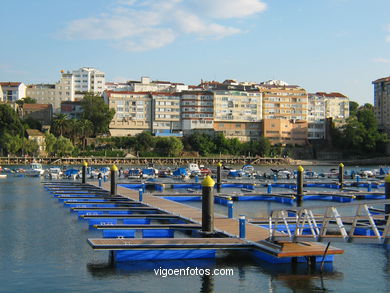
(322, 45)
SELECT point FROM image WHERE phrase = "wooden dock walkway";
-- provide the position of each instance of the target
(256, 236)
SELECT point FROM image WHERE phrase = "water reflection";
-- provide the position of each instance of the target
(298, 277)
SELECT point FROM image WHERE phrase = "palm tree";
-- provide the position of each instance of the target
(85, 129)
(60, 124)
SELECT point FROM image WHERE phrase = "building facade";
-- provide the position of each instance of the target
(316, 117)
(88, 79)
(53, 94)
(382, 102)
(281, 101)
(283, 131)
(133, 112)
(73, 110)
(40, 112)
(12, 91)
(238, 113)
(197, 111)
(165, 112)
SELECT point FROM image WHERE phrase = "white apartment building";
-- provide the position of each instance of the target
(1, 94)
(165, 112)
(54, 94)
(12, 91)
(316, 117)
(323, 105)
(88, 79)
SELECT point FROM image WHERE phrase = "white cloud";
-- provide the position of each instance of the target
(382, 60)
(231, 8)
(137, 25)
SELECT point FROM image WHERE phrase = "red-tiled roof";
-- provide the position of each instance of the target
(338, 95)
(9, 83)
(36, 106)
(382, 80)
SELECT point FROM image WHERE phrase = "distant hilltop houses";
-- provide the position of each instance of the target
(283, 113)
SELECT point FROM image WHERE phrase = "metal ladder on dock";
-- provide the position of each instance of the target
(302, 224)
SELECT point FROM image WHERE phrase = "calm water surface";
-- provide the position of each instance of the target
(43, 248)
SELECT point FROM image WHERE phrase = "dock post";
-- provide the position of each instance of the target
(275, 178)
(230, 207)
(196, 178)
(269, 188)
(114, 171)
(208, 205)
(140, 194)
(242, 222)
(387, 194)
(84, 173)
(341, 175)
(358, 180)
(299, 185)
(219, 177)
(369, 187)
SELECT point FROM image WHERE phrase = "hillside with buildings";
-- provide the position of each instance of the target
(285, 115)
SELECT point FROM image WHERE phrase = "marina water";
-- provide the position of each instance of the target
(43, 247)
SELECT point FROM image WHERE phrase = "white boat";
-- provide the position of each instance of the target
(2, 176)
(194, 169)
(54, 173)
(35, 170)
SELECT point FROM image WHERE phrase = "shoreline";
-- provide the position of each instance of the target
(104, 161)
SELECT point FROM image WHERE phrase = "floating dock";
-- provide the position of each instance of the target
(256, 240)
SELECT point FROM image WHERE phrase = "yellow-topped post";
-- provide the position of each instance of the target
(208, 205)
(387, 194)
(114, 171)
(219, 177)
(84, 172)
(300, 171)
(341, 175)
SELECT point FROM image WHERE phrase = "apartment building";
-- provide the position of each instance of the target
(88, 79)
(12, 91)
(284, 131)
(165, 112)
(316, 116)
(53, 94)
(238, 112)
(282, 101)
(382, 102)
(197, 111)
(133, 112)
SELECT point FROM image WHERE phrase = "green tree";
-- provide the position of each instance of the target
(169, 146)
(12, 144)
(60, 124)
(98, 112)
(30, 147)
(353, 106)
(145, 142)
(202, 143)
(31, 123)
(63, 146)
(84, 130)
(50, 142)
(234, 146)
(264, 147)
(26, 100)
(9, 121)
